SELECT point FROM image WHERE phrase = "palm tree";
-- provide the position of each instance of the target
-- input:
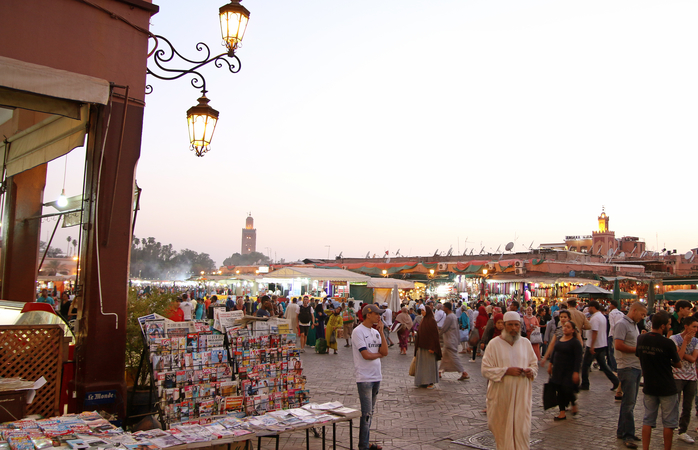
(75, 246)
(53, 266)
(69, 241)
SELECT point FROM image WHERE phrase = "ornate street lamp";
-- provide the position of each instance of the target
(234, 18)
(201, 120)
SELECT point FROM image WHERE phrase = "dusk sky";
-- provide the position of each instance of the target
(371, 126)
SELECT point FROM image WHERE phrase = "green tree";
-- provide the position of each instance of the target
(236, 259)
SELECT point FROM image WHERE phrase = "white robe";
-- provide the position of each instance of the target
(509, 397)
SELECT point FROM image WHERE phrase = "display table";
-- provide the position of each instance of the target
(90, 430)
(348, 418)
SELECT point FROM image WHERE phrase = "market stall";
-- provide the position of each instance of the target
(301, 280)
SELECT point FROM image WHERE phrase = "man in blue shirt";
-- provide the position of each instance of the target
(45, 298)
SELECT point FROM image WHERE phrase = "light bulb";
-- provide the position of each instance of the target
(62, 200)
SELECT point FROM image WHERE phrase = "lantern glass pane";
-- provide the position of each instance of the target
(233, 26)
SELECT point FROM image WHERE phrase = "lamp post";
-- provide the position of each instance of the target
(202, 118)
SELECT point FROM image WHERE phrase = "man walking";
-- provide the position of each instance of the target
(306, 319)
(439, 315)
(625, 335)
(292, 314)
(685, 377)
(387, 318)
(577, 316)
(368, 346)
(597, 346)
(614, 316)
(510, 365)
(657, 357)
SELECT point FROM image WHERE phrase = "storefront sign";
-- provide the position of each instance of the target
(100, 397)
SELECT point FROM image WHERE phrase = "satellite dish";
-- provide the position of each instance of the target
(509, 246)
(340, 255)
(688, 255)
(436, 253)
(609, 252)
(622, 254)
(368, 254)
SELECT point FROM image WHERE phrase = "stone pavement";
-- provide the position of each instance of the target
(419, 419)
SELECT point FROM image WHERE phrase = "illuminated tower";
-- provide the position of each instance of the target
(249, 236)
(603, 241)
(603, 220)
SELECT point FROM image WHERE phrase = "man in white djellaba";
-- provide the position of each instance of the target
(510, 365)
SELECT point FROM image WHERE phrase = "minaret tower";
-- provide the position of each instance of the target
(249, 236)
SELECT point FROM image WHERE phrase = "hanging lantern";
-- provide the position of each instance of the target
(234, 18)
(202, 121)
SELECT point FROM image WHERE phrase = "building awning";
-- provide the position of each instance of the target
(65, 95)
(45, 89)
(45, 141)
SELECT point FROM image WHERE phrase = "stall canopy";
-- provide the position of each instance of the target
(318, 274)
(682, 294)
(679, 282)
(589, 290)
(389, 283)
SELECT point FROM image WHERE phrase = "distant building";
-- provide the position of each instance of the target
(249, 237)
(604, 240)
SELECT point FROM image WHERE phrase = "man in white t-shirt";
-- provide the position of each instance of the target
(186, 306)
(614, 316)
(439, 315)
(597, 346)
(368, 346)
(387, 319)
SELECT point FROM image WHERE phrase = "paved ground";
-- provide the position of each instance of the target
(412, 419)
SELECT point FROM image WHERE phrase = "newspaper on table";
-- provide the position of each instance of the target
(322, 406)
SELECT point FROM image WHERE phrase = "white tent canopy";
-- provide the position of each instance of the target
(590, 289)
(390, 283)
(314, 273)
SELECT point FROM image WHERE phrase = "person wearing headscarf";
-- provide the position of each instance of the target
(480, 324)
(427, 350)
(531, 323)
(403, 333)
(451, 338)
(495, 331)
(333, 325)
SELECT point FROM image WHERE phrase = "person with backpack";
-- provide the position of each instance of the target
(306, 320)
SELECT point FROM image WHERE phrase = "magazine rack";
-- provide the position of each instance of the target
(199, 375)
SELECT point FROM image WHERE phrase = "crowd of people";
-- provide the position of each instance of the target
(658, 352)
(633, 350)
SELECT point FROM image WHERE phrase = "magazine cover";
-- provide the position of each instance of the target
(218, 356)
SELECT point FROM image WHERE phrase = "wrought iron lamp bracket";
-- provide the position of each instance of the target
(163, 57)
